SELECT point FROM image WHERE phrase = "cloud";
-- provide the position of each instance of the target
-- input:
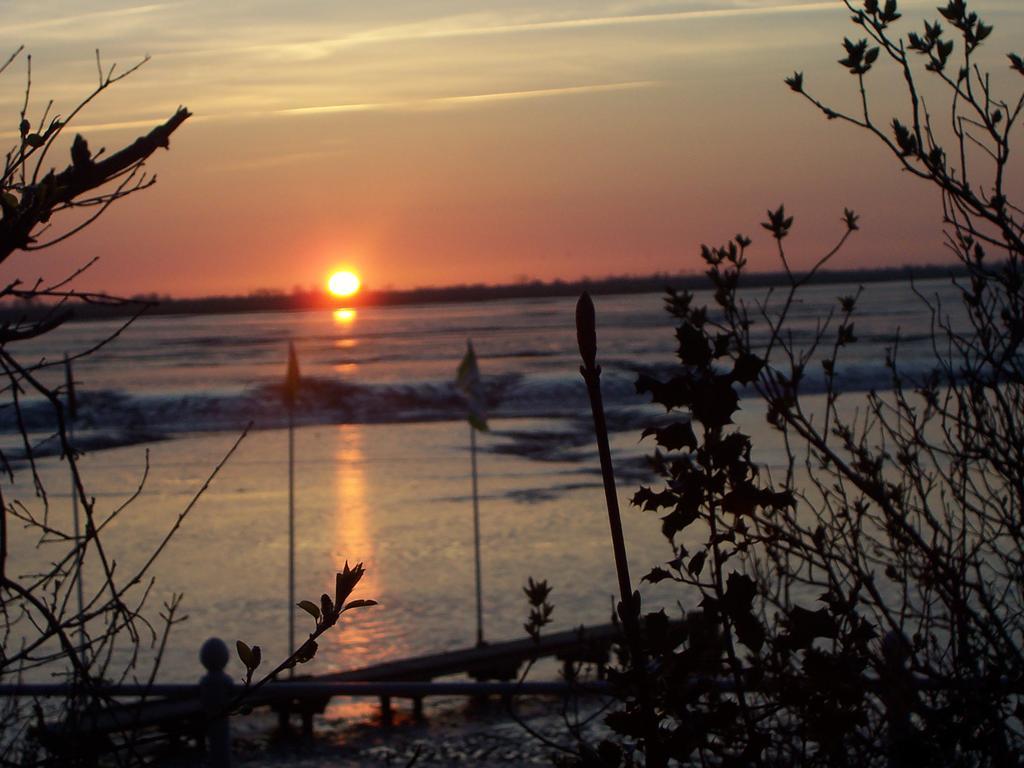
(402, 55)
(437, 102)
(443, 101)
(143, 124)
(427, 32)
(476, 25)
(82, 24)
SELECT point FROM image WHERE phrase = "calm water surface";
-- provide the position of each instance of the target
(383, 462)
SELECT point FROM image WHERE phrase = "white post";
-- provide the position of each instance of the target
(291, 533)
(476, 540)
(291, 391)
(72, 413)
(79, 576)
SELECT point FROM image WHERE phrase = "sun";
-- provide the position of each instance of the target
(343, 283)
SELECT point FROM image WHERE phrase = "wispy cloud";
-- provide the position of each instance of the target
(438, 102)
(470, 25)
(142, 125)
(454, 101)
(77, 21)
(442, 30)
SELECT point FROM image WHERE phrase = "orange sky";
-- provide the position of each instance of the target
(462, 141)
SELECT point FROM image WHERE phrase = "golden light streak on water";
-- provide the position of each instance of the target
(362, 636)
(344, 316)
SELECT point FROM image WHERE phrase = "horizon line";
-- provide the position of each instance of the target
(257, 293)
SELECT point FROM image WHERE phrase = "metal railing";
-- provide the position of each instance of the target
(211, 702)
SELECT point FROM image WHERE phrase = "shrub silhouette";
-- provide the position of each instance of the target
(42, 624)
(867, 607)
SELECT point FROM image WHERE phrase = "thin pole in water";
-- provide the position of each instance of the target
(291, 532)
(291, 387)
(467, 379)
(72, 413)
(476, 540)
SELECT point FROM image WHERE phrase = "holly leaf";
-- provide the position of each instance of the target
(696, 564)
(749, 631)
(650, 501)
(806, 626)
(671, 394)
(693, 346)
(673, 437)
(740, 591)
(677, 520)
(714, 402)
(743, 500)
(746, 368)
(657, 574)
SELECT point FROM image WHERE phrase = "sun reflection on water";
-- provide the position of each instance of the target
(352, 543)
(344, 316)
(351, 530)
(364, 636)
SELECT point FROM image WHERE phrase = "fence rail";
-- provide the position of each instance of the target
(203, 709)
(299, 688)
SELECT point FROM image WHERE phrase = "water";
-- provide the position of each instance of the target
(383, 461)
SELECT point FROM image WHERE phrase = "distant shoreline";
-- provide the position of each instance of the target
(306, 300)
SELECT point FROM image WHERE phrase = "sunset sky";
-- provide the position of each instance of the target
(459, 141)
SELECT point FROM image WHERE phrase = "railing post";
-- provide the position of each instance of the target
(215, 696)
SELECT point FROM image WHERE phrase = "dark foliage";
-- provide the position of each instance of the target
(867, 606)
(50, 620)
(54, 622)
